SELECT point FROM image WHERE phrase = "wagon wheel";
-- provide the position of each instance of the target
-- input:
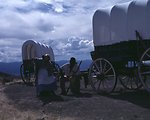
(102, 76)
(130, 79)
(56, 70)
(27, 77)
(144, 69)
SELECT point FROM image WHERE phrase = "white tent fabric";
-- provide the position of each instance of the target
(120, 23)
(101, 26)
(137, 19)
(32, 49)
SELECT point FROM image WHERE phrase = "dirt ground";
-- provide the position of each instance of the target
(19, 102)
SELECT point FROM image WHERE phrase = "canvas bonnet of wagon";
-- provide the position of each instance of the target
(121, 37)
(32, 49)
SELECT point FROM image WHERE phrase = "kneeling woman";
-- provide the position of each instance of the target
(46, 81)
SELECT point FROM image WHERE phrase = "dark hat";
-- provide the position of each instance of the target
(46, 56)
(72, 60)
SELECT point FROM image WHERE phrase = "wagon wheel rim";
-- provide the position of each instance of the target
(27, 78)
(144, 69)
(102, 76)
(130, 81)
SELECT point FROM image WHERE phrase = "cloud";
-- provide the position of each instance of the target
(10, 50)
(74, 46)
(66, 25)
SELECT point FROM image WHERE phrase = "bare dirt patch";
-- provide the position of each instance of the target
(19, 102)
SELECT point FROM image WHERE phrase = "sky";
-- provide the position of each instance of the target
(65, 25)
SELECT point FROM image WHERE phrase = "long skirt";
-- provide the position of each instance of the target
(75, 84)
(46, 88)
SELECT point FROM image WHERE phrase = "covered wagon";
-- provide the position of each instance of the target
(121, 37)
(32, 52)
(32, 49)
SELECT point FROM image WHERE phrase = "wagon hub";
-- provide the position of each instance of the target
(100, 76)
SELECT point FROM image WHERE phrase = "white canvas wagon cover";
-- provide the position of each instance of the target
(119, 23)
(32, 49)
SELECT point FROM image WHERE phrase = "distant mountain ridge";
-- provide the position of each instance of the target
(13, 68)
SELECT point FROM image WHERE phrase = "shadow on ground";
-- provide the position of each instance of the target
(140, 97)
(24, 97)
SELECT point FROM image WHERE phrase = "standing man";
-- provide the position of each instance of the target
(70, 71)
